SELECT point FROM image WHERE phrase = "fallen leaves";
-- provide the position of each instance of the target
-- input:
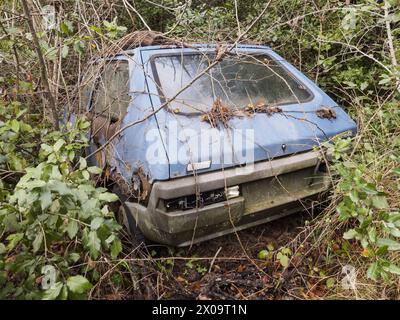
(263, 107)
(219, 113)
(202, 296)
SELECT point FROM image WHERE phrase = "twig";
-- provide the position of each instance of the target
(45, 80)
(389, 35)
(213, 260)
(237, 16)
(390, 42)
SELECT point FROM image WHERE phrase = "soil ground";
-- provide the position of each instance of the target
(225, 268)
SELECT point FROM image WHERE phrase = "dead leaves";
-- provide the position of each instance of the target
(219, 113)
(220, 52)
(263, 107)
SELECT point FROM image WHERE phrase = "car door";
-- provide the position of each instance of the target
(108, 105)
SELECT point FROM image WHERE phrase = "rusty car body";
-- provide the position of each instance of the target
(167, 89)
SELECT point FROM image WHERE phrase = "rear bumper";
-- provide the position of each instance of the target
(270, 190)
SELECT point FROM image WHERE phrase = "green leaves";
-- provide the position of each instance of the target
(380, 268)
(78, 284)
(330, 283)
(372, 234)
(266, 254)
(66, 27)
(55, 206)
(53, 292)
(389, 243)
(57, 146)
(82, 163)
(2, 248)
(45, 199)
(263, 254)
(379, 202)
(72, 228)
(368, 210)
(350, 234)
(94, 170)
(37, 243)
(14, 239)
(393, 269)
(116, 248)
(14, 125)
(283, 257)
(373, 271)
(349, 21)
(93, 244)
(79, 46)
(75, 287)
(113, 30)
(96, 223)
(108, 197)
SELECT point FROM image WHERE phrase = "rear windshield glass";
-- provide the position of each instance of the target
(238, 80)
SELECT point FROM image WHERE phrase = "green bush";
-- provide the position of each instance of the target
(53, 222)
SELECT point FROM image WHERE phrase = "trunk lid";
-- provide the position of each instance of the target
(190, 141)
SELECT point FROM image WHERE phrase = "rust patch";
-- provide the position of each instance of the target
(99, 160)
(139, 192)
(326, 113)
(122, 184)
(145, 185)
(102, 128)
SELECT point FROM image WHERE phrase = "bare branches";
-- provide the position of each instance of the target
(129, 6)
(43, 70)
(237, 16)
(389, 34)
(390, 41)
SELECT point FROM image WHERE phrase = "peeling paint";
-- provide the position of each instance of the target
(326, 113)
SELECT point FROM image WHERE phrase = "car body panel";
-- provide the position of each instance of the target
(285, 176)
(298, 127)
(300, 131)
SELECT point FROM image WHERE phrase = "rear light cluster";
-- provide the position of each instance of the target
(203, 199)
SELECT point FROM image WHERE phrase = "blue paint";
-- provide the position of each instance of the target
(270, 132)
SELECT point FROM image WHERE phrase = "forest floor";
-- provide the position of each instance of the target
(228, 267)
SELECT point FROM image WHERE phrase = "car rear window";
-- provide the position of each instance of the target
(238, 80)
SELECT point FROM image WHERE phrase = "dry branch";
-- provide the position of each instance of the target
(43, 70)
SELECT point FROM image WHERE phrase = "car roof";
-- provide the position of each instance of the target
(195, 45)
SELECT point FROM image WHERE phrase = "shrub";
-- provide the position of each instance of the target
(54, 223)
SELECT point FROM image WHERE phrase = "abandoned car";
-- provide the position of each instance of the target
(203, 140)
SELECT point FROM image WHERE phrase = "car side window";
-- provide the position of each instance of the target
(86, 86)
(111, 97)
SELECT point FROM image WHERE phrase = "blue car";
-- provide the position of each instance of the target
(203, 140)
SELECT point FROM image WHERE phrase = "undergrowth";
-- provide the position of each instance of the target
(58, 238)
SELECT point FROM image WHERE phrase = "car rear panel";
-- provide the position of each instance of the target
(297, 128)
